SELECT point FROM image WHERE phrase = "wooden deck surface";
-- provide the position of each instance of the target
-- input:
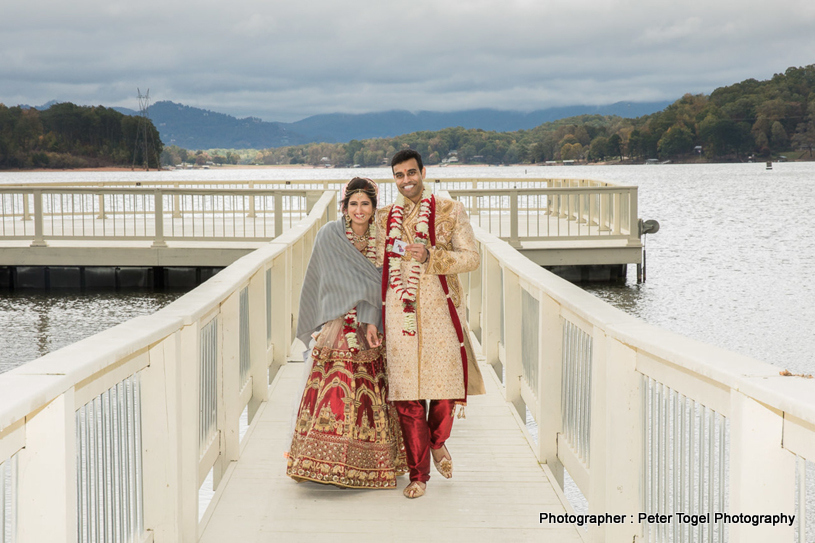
(497, 492)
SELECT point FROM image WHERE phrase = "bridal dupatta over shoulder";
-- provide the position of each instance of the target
(338, 278)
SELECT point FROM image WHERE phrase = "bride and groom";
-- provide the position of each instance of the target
(391, 356)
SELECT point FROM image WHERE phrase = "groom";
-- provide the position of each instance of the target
(424, 242)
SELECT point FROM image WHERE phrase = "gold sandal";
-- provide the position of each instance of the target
(414, 490)
(445, 465)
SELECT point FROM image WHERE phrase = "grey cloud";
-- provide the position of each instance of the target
(286, 60)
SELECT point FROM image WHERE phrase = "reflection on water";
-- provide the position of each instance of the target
(36, 323)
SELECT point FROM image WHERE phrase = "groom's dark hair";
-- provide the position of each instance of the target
(404, 155)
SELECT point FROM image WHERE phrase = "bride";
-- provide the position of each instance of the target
(346, 433)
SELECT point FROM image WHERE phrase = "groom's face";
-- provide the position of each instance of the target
(409, 179)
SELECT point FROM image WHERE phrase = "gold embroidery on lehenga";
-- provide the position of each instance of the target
(345, 432)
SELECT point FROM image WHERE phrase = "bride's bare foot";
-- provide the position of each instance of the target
(415, 489)
(443, 461)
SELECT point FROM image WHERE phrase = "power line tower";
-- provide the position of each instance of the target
(144, 135)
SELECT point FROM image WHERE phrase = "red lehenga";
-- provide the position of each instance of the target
(346, 432)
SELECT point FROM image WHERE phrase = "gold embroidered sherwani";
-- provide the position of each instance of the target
(428, 366)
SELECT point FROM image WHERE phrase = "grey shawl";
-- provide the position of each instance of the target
(338, 278)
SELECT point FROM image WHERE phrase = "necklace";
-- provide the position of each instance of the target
(363, 237)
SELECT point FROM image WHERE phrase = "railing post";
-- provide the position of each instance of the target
(616, 210)
(312, 197)
(258, 361)
(331, 211)
(616, 462)
(39, 238)
(563, 201)
(26, 211)
(47, 467)
(762, 472)
(549, 386)
(514, 241)
(158, 241)
(582, 203)
(297, 265)
(229, 385)
(490, 315)
(512, 341)
(474, 303)
(101, 215)
(633, 220)
(188, 365)
(278, 213)
(281, 309)
(251, 201)
(176, 204)
(162, 458)
(605, 202)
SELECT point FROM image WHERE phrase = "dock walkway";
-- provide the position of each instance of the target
(497, 492)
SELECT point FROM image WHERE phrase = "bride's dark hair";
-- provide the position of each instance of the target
(356, 185)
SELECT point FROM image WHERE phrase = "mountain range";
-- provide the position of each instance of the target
(194, 128)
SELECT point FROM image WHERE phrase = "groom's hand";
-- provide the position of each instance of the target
(372, 335)
(417, 251)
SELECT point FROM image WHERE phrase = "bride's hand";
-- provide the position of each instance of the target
(372, 335)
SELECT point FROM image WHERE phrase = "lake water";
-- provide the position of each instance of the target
(731, 264)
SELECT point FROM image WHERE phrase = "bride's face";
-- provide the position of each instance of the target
(360, 209)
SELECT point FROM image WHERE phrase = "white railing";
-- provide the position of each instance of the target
(545, 214)
(512, 208)
(116, 433)
(643, 419)
(159, 214)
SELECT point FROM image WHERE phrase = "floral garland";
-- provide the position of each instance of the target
(406, 289)
(350, 322)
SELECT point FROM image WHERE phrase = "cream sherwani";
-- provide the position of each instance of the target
(428, 366)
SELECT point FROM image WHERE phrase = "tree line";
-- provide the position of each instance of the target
(754, 118)
(70, 136)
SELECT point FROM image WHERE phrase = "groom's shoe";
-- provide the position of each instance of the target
(445, 465)
(415, 489)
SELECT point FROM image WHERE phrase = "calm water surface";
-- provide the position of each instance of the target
(35, 324)
(731, 264)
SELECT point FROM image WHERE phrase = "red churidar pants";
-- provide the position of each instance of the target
(422, 430)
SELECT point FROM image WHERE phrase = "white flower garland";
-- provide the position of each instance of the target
(406, 290)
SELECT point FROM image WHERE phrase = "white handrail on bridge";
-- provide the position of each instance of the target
(157, 214)
(643, 419)
(111, 437)
(544, 214)
(536, 209)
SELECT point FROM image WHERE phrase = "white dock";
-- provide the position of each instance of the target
(497, 492)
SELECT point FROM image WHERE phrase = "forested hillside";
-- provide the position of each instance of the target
(70, 136)
(758, 118)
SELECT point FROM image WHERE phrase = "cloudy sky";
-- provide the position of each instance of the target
(282, 61)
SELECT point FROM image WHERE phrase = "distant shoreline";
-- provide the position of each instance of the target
(310, 167)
